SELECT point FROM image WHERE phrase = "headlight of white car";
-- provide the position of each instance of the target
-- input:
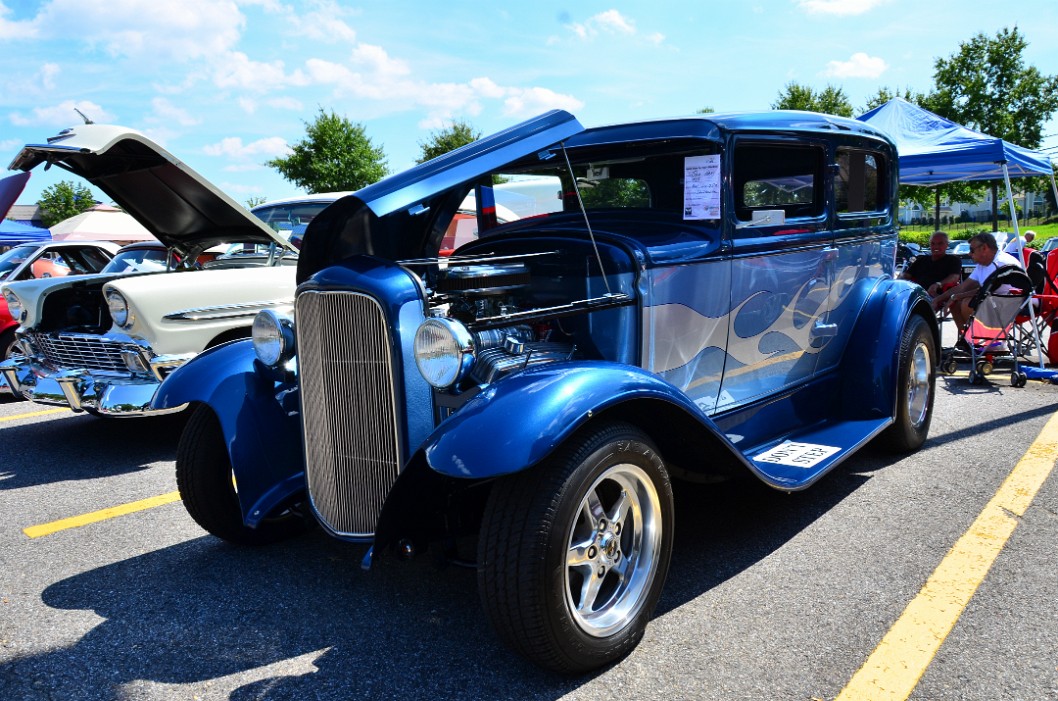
(444, 351)
(119, 307)
(14, 305)
(273, 338)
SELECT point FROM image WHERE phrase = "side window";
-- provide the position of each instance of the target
(860, 182)
(773, 177)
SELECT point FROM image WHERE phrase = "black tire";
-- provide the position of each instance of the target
(537, 543)
(204, 478)
(7, 343)
(916, 385)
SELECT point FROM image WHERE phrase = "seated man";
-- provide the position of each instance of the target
(937, 271)
(986, 254)
(1012, 247)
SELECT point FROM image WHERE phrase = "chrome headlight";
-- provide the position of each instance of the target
(119, 307)
(444, 351)
(273, 337)
(14, 305)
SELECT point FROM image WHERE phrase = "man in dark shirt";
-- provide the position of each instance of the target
(937, 271)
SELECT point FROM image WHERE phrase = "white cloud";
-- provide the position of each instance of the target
(529, 101)
(233, 147)
(609, 22)
(325, 24)
(62, 114)
(46, 75)
(286, 103)
(859, 65)
(146, 30)
(237, 70)
(169, 113)
(19, 29)
(9, 145)
(838, 7)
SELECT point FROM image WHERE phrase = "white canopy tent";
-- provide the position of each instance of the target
(101, 223)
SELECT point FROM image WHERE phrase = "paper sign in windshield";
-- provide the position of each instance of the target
(795, 454)
(701, 187)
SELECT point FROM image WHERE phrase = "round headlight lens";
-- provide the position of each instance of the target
(119, 307)
(444, 352)
(14, 305)
(273, 337)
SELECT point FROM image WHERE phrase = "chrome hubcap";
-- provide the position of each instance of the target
(921, 369)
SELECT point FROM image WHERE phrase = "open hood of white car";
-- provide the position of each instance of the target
(176, 204)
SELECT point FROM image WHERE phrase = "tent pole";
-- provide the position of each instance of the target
(1021, 257)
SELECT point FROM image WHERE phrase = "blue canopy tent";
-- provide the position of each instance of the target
(933, 151)
(13, 232)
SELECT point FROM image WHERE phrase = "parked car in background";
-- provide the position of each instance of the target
(1049, 245)
(714, 296)
(104, 344)
(49, 259)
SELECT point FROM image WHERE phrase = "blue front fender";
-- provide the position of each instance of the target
(872, 359)
(519, 420)
(258, 416)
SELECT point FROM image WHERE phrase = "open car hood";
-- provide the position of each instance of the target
(404, 215)
(176, 204)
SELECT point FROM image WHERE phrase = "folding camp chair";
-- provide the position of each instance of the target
(990, 336)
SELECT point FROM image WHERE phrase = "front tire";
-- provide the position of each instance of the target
(573, 554)
(916, 379)
(205, 480)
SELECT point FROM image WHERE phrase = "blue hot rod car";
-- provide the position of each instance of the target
(623, 307)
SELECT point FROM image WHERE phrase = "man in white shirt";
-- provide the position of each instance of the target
(986, 254)
(1012, 247)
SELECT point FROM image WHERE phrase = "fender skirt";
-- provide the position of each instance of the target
(259, 417)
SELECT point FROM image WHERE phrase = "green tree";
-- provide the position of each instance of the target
(458, 133)
(64, 200)
(254, 200)
(335, 155)
(886, 94)
(987, 86)
(829, 100)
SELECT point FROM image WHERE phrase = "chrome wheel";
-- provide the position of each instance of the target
(919, 385)
(613, 550)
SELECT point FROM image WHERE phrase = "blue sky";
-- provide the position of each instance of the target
(227, 84)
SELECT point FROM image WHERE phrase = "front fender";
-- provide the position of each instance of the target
(517, 421)
(258, 416)
(872, 360)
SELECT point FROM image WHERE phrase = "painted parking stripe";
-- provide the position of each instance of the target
(901, 658)
(30, 415)
(101, 515)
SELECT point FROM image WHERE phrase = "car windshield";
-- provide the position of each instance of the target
(14, 258)
(962, 249)
(137, 260)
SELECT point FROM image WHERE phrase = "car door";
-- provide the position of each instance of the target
(781, 254)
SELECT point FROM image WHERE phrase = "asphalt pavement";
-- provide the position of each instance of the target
(770, 595)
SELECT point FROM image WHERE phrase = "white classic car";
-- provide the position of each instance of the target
(103, 343)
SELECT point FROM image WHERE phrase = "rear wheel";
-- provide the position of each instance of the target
(7, 343)
(208, 488)
(916, 383)
(573, 554)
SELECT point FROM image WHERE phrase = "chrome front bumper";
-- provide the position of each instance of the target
(103, 393)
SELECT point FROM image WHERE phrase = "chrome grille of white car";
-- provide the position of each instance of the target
(348, 410)
(66, 350)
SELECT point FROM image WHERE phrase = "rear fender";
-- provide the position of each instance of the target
(258, 416)
(518, 421)
(871, 359)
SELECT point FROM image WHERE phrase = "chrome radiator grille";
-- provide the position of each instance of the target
(80, 351)
(348, 409)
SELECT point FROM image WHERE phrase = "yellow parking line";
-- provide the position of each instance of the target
(101, 515)
(30, 415)
(895, 667)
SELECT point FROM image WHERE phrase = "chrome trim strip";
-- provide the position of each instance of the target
(224, 311)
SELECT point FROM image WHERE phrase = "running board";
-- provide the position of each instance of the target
(797, 460)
